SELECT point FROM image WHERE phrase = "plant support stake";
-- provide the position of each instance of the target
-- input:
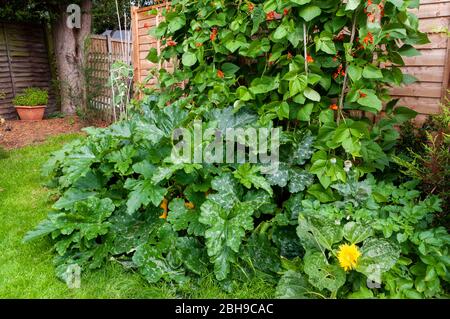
(305, 39)
(344, 85)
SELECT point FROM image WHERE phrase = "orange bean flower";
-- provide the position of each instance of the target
(270, 16)
(368, 38)
(339, 71)
(309, 59)
(220, 74)
(171, 43)
(334, 107)
(213, 35)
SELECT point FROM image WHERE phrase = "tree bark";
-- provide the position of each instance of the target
(70, 61)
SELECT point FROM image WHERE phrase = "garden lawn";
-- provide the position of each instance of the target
(26, 270)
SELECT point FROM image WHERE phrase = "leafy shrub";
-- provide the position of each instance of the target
(311, 69)
(113, 182)
(394, 243)
(122, 170)
(411, 139)
(429, 162)
(31, 97)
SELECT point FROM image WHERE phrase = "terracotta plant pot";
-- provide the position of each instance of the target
(31, 113)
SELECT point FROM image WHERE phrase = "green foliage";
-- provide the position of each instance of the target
(264, 69)
(56, 115)
(31, 97)
(30, 10)
(226, 230)
(243, 65)
(104, 14)
(393, 231)
(121, 176)
(428, 159)
(119, 80)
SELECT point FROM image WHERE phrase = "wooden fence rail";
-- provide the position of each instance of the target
(431, 68)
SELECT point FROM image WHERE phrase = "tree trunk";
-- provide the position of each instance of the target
(69, 51)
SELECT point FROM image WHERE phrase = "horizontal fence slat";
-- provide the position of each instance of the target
(434, 57)
(437, 41)
(433, 10)
(423, 105)
(422, 89)
(426, 74)
(433, 25)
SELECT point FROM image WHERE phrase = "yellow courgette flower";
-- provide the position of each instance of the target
(189, 205)
(164, 206)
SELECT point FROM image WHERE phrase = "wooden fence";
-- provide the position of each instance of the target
(431, 68)
(24, 62)
(141, 23)
(102, 52)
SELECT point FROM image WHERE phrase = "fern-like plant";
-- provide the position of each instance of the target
(431, 163)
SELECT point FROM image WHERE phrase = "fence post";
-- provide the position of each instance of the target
(108, 46)
(135, 42)
(446, 81)
(110, 61)
(8, 55)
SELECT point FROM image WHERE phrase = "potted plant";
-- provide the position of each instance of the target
(31, 104)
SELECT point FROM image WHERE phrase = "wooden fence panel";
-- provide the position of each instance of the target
(431, 68)
(142, 23)
(7, 91)
(24, 62)
(102, 52)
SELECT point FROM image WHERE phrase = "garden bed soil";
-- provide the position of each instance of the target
(17, 134)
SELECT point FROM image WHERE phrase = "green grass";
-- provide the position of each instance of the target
(26, 270)
(3, 153)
